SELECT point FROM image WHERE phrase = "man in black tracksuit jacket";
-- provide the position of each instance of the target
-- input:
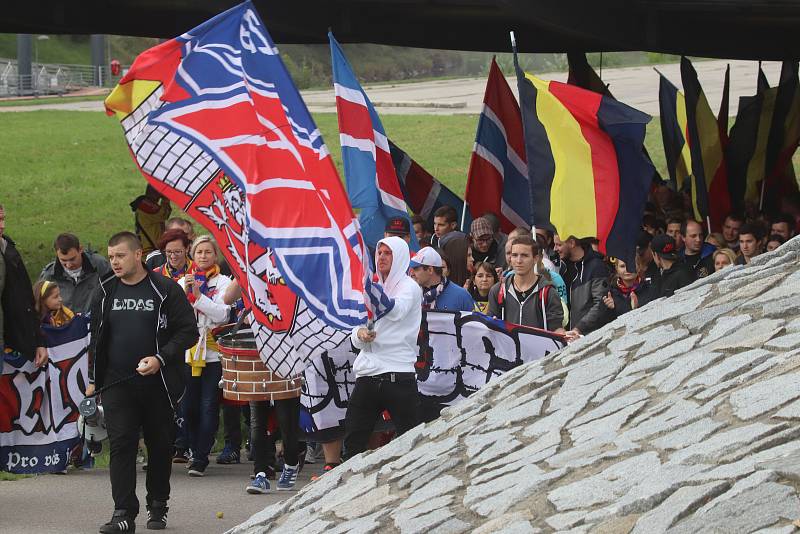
(675, 274)
(586, 276)
(142, 324)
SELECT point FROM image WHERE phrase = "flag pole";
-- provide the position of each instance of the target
(763, 191)
(464, 213)
(513, 38)
(708, 222)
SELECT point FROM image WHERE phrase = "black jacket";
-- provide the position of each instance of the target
(176, 332)
(495, 255)
(20, 320)
(672, 279)
(587, 280)
(703, 263)
(622, 303)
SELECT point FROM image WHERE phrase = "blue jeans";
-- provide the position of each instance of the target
(201, 410)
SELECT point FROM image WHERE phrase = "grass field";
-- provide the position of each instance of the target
(71, 171)
(48, 100)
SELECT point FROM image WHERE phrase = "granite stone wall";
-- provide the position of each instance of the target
(678, 417)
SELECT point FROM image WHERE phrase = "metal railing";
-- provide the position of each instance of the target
(48, 79)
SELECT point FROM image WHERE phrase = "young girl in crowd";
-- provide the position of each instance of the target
(628, 291)
(774, 241)
(205, 289)
(53, 313)
(484, 278)
(49, 305)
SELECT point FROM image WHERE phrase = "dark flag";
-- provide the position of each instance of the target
(761, 84)
(784, 134)
(724, 108)
(583, 75)
(423, 193)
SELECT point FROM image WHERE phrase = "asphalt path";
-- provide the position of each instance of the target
(80, 501)
(636, 86)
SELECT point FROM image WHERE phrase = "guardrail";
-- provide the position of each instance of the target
(48, 79)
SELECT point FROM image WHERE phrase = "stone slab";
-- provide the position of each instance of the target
(756, 508)
(670, 378)
(677, 506)
(765, 395)
(689, 434)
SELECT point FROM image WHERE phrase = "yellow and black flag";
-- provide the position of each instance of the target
(762, 141)
(672, 108)
(709, 183)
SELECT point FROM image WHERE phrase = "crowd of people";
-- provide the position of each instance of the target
(154, 310)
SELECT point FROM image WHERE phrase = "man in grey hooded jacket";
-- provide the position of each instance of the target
(77, 273)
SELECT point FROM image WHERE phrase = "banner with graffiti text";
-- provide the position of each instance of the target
(459, 352)
(39, 407)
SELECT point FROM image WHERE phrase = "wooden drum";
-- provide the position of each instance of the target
(244, 375)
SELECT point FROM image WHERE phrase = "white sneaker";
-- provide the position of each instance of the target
(311, 455)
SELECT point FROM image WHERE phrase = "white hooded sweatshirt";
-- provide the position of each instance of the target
(395, 347)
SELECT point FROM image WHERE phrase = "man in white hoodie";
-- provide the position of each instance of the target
(385, 377)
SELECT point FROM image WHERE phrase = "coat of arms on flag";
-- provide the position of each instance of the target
(214, 121)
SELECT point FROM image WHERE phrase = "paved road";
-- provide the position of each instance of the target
(636, 86)
(80, 501)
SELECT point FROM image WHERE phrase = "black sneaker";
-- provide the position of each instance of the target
(181, 456)
(120, 522)
(157, 516)
(197, 469)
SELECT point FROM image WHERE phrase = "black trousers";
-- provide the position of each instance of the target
(132, 407)
(231, 421)
(429, 410)
(371, 395)
(262, 445)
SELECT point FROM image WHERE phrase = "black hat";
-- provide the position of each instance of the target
(665, 247)
(398, 225)
(645, 238)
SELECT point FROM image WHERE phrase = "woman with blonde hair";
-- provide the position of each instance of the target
(205, 288)
(723, 257)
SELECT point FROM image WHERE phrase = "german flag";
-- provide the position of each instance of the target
(709, 174)
(763, 140)
(672, 107)
(589, 175)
